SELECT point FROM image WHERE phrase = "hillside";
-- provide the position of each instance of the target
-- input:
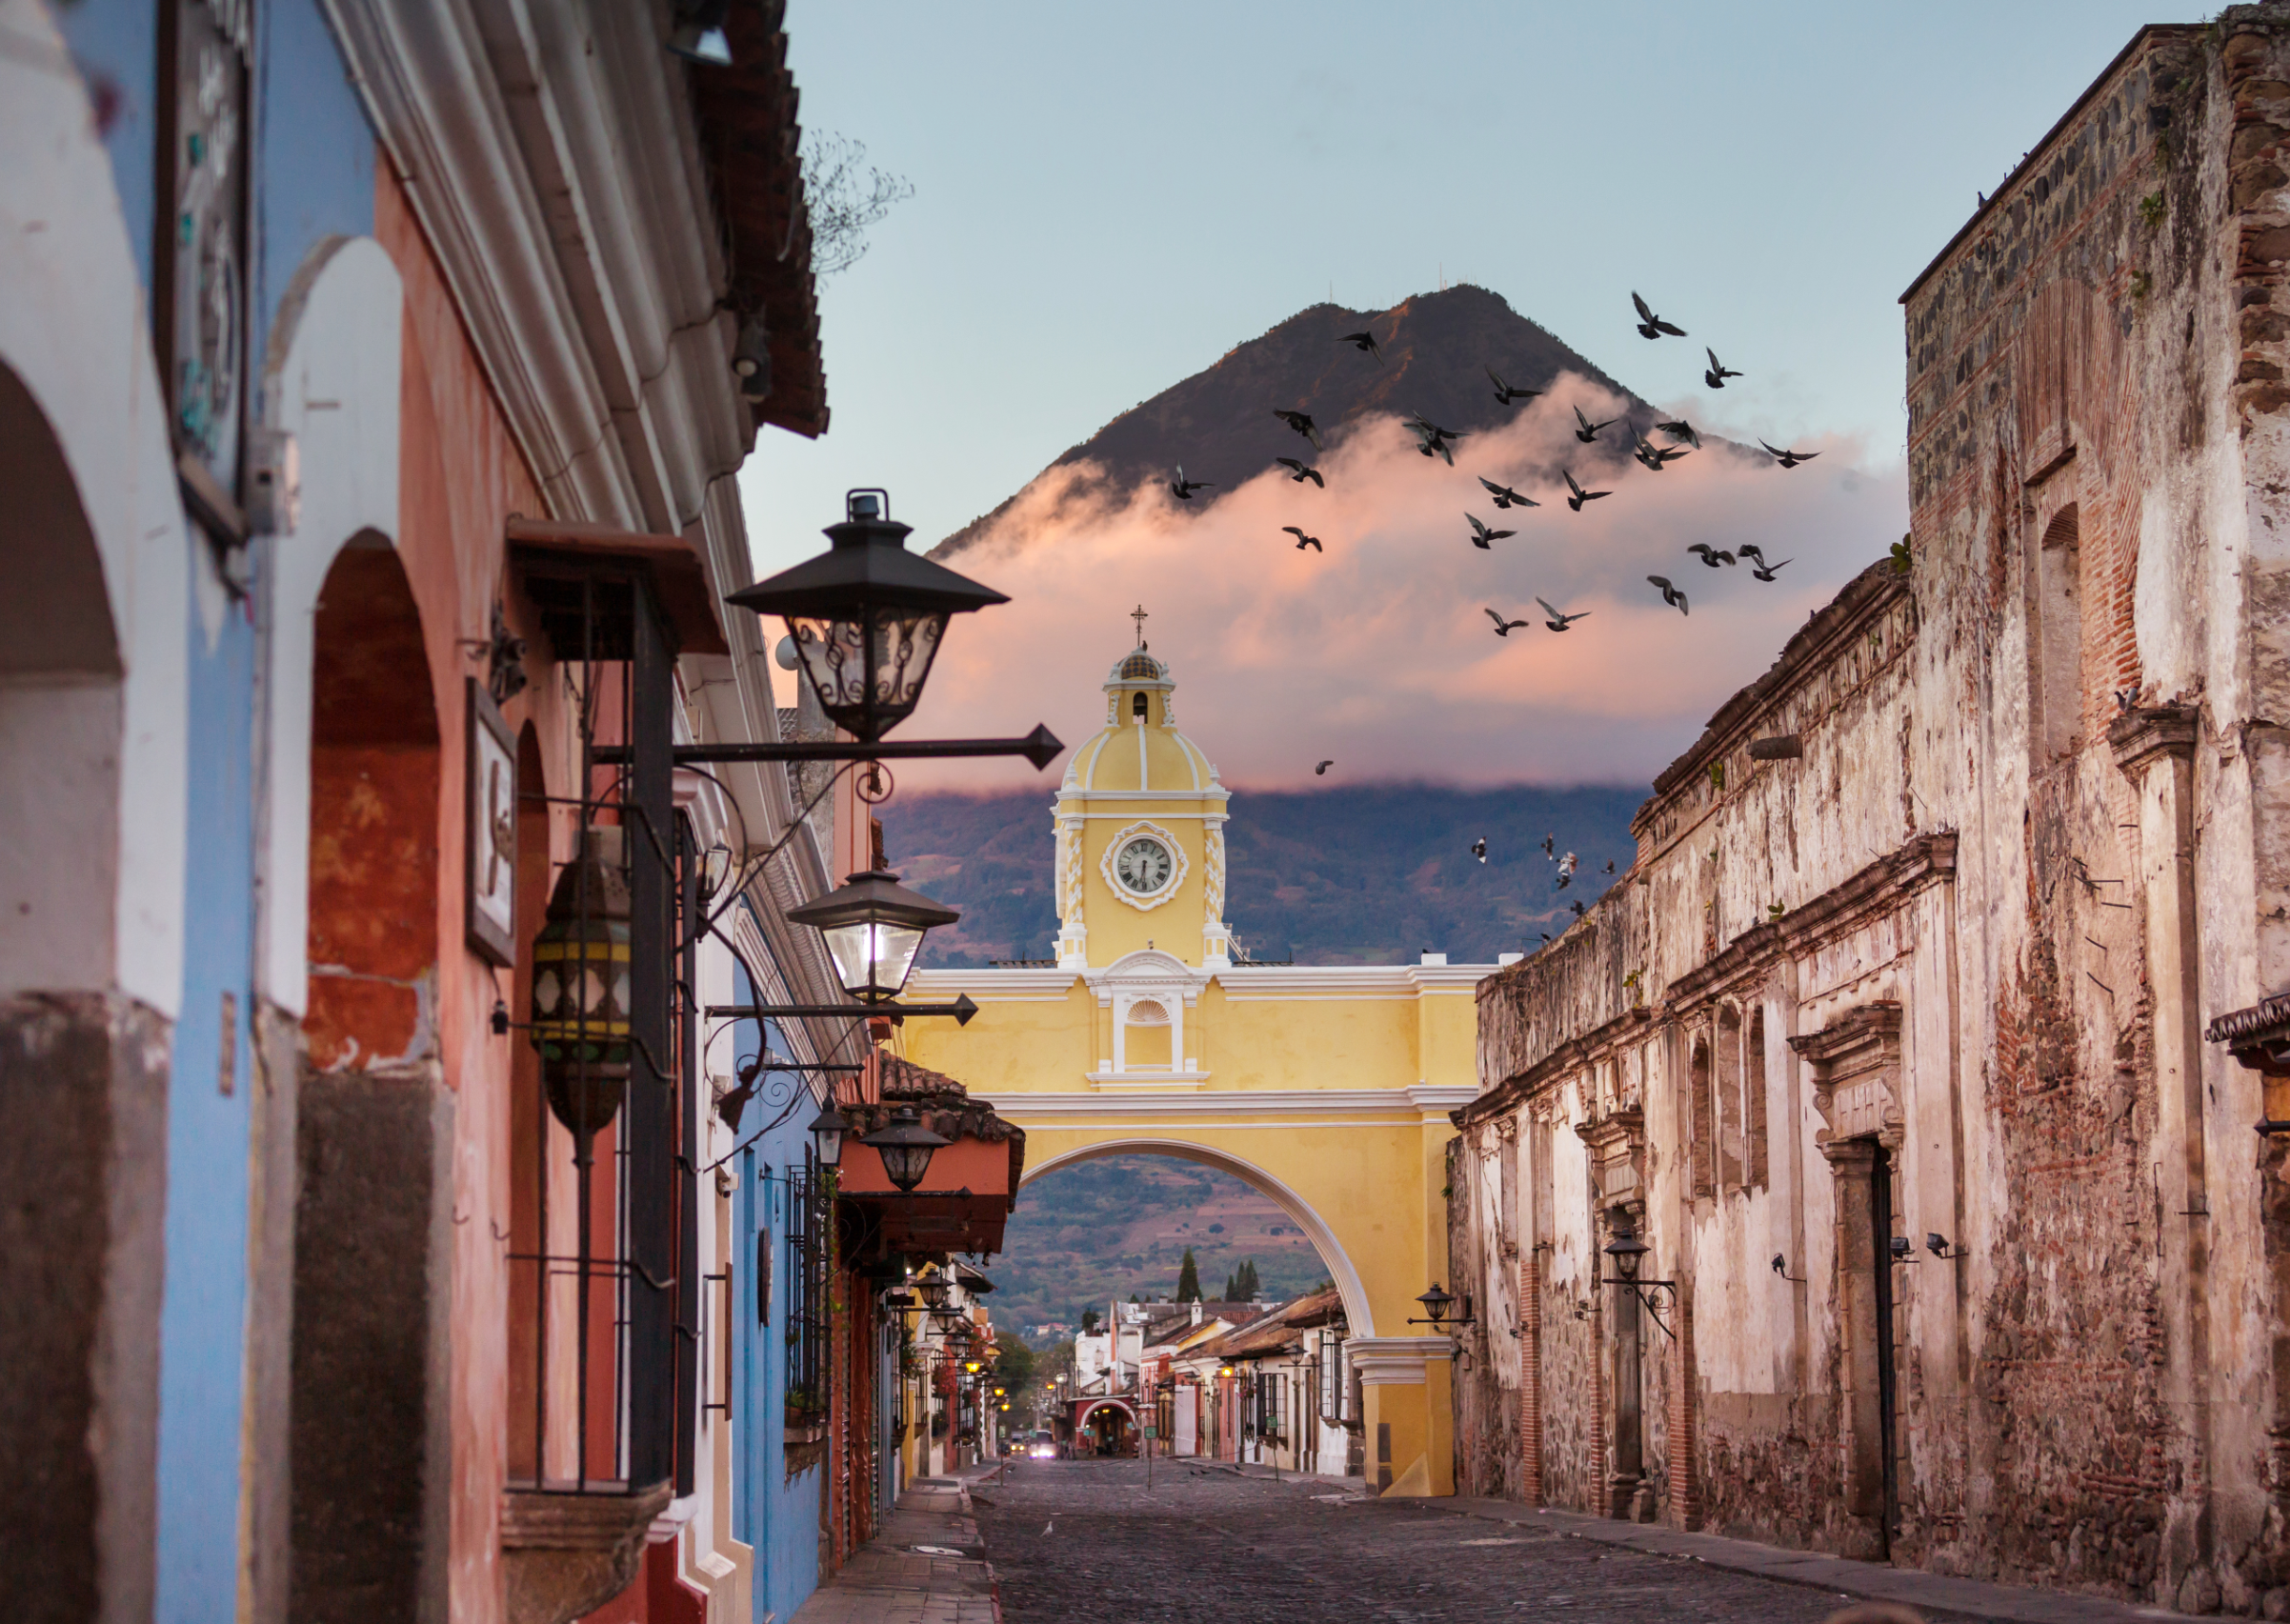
(1218, 424)
(1366, 874)
(1086, 1234)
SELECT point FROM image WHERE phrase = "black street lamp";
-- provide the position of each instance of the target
(905, 1146)
(580, 990)
(1628, 1254)
(874, 928)
(1435, 1303)
(827, 1131)
(867, 616)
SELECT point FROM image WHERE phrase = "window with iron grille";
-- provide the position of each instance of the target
(809, 1226)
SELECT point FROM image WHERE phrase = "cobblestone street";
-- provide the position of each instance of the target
(1086, 1540)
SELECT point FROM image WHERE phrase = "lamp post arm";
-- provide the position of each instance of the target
(1040, 746)
(961, 1010)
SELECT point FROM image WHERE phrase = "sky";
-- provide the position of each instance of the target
(1109, 198)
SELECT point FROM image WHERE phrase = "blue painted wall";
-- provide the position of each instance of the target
(777, 1515)
(312, 177)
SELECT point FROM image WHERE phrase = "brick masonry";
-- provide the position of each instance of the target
(1957, 955)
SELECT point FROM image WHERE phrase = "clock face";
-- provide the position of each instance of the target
(1143, 864)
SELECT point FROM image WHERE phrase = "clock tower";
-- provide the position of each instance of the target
(1140, 832)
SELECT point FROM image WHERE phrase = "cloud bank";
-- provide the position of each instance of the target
(1378, 652)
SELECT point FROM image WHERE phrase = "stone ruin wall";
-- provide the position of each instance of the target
(2098, 388)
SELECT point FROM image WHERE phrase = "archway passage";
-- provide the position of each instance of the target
(372, 1279)
(1106, 1429)
(83, 1073)
(1308, 1224)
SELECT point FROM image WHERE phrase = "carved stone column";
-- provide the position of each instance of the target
(1617, 1151)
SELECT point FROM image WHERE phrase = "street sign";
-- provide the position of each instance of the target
(1151, 1431)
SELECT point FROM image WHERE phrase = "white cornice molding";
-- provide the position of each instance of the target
(592, 315)
(1332, 980)
(991, 986)
(1417, 1104)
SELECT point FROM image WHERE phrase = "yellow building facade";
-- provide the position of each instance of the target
(1325, 1087)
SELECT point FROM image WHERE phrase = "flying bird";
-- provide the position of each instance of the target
(1560, 619)
(1506, 497)
(1764, 571)
(1184, 488)
(1363, 342)
(1550, 847)
(1588, 432)
(1502, 627)
(1303, 541)
(1479, 847)
(1719, 371)
(1431, 438)
(1652, 326)
(1751, 550)
(1654, 456)
(1576, 906)
(1505, 393)
(1710, 555)
(1301, 472)
(1302, 423)
(1609, 865)
(1789, 459)
(1681, 430)
(1321, 770)
(1481, 536)
(1566, 867)
(1670, 596)
(1580, 495)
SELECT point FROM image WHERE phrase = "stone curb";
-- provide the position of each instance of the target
(1871, 1581)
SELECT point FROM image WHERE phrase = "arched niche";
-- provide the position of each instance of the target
(1357, 1312)
(83, 1070)
(331, 380)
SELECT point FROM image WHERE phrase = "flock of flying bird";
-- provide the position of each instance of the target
(1433, 440)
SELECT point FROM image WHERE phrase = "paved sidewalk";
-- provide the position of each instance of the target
(927, 1566)
(1871, 1581)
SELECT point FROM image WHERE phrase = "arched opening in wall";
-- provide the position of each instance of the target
(372, 1280)
(1700, 1115)
(1098, 1226)
(1730, 1114)
(1754, 1090)
(82, 1081)
(2055, 640)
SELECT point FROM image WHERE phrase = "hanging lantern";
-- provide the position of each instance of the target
(866, 616)
(905, 1146)
(580, 990)
(874, 928)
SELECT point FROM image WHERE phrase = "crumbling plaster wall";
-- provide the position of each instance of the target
(2087, 1388)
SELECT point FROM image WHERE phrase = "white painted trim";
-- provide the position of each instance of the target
(75, 329)
(1165, 1124)
(332, 380)
(1395, 1361)
(1323, 1239)
(1119, 1081)
(1007, 986)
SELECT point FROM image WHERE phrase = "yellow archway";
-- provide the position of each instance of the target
(1326, 1087)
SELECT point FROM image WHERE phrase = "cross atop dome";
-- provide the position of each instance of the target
(1137, 614)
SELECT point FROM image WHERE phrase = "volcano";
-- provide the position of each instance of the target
(1219, 424)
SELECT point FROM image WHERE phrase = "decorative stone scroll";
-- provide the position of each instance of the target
(1618, 1156)
(1857, 1077)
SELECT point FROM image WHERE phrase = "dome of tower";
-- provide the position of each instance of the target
(1139, 748)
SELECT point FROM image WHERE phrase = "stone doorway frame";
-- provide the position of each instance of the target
(1856, 1071)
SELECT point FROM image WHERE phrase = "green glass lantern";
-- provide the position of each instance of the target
(580, 990)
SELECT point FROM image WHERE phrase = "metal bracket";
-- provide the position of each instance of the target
(1639, 1287)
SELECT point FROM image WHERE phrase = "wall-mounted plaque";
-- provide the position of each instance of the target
(490, 829)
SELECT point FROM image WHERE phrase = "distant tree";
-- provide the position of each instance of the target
(1089, 1321)
(1188, 1279)
(1245, 1283)
(1013, 1369)
(1217, 1229)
